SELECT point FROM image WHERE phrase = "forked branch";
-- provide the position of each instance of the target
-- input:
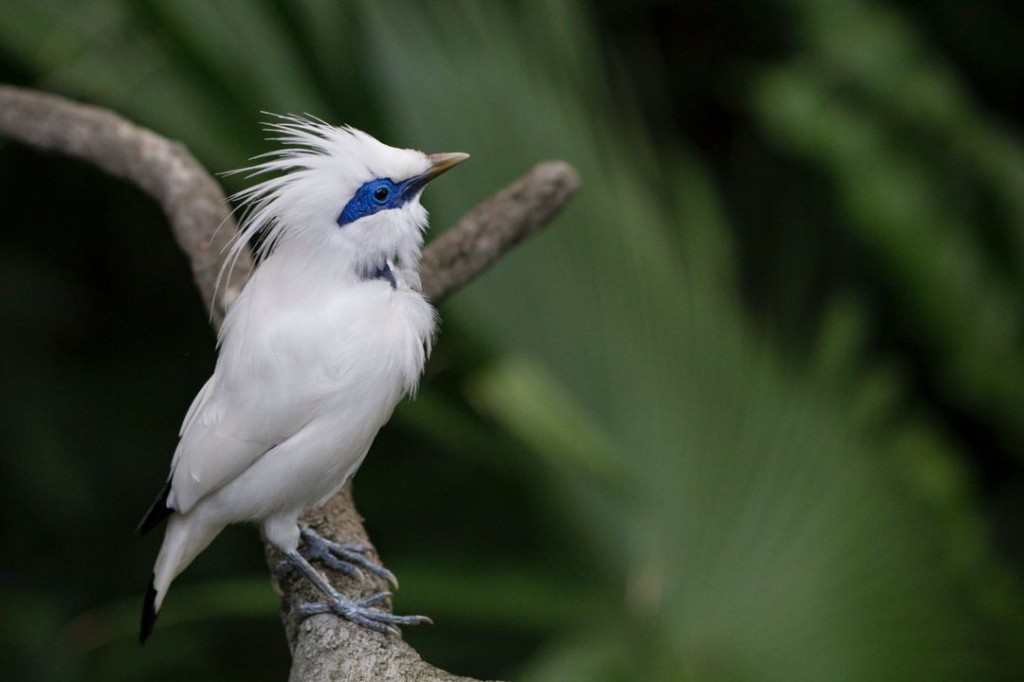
(323, 647)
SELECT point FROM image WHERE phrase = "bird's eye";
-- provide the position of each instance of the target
(381, 194)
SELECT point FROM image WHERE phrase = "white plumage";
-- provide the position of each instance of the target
(326, 338)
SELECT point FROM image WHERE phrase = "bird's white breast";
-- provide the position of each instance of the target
(320, 340)
(313, 368)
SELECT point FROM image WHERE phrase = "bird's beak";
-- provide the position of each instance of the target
(439, 163)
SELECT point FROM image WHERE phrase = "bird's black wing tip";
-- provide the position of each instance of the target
(157, 512)
(148, 614)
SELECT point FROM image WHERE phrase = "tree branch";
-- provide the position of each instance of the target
(191, 198)
(323, 647)
(484, 234)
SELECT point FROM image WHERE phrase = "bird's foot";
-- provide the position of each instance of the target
(344, 557)
(360, 613)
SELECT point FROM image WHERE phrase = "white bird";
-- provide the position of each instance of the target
(323, 342)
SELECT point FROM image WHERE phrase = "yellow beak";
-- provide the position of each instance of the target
(439, 163)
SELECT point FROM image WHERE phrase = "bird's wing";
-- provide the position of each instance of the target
(205, 463)
(197, 405)
(222, 435)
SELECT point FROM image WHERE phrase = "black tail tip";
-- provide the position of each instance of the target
(148, 614)
(157, 512)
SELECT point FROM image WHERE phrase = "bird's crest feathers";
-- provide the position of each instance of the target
(315, 171)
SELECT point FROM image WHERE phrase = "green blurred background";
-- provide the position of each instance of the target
(750, 410)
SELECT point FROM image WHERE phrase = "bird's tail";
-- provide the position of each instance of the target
(185, 538)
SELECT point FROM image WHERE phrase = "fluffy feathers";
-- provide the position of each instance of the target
(313, 355)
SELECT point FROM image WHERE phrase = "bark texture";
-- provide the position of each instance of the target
(323, 647)
(199, 214)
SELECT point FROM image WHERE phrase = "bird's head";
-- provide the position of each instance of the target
(341, 193)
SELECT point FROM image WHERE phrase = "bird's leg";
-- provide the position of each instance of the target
(343, 557)
(358, 611)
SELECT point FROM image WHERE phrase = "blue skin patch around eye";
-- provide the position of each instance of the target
(380, 195)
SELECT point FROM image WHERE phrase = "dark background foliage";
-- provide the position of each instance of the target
(750, 411)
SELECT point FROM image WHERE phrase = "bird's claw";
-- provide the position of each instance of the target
(360, 613)
(348, 559)
(352, 560)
